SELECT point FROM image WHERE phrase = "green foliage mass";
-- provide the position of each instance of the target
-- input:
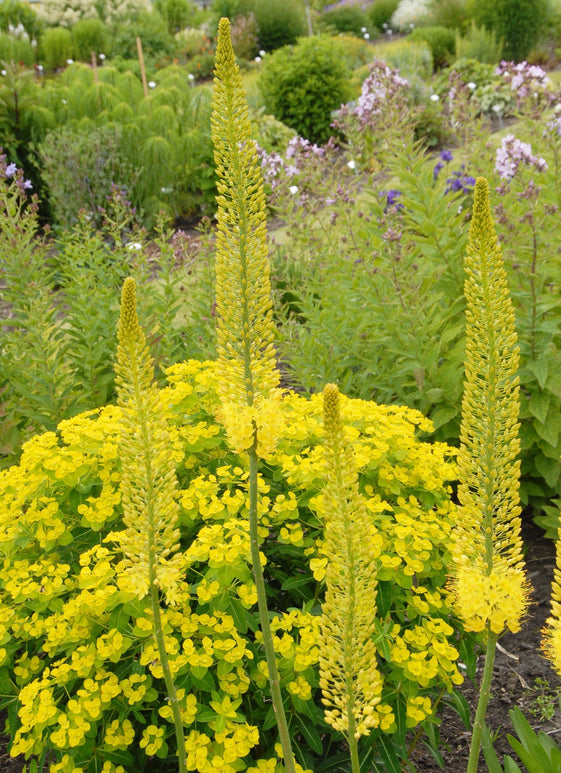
(57, 47)
(303, 84)
(518, 23)
(381, 12)
(89, 35)
(14, 12)
(280, 22)
(346, 19)
(441, 40)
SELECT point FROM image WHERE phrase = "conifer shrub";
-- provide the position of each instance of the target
(303, 84)
(57, 47)
(89, 35)
(441, 40)
(518, 23)
(151, 28)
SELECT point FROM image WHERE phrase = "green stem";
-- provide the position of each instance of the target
(274, 680)
(170, 686)
(353, 747)
(484, 695)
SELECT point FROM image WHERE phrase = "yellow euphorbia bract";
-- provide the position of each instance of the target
(248, 376)
(488, 578)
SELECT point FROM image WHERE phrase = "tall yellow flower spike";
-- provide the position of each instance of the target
(551, 634)
(148, 483)
(488, 580)
(248, 377)
(349, 677)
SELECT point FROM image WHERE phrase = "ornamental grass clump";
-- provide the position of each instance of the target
(488, 578)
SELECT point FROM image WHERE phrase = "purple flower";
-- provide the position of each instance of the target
(11, 169)
(391, 199)
(446, 155)
(512, 153)
(459, 182)
(437, 169)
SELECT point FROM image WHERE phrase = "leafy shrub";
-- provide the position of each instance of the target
(245, 36)
(16, 50)
(66, 13)
(518, 23)
(85, 622)
(202, 66)
(357, 51)
(57, 47)
(454, 14)
(280, 22)
(152, 31)
(176, 13)
(479, 43)
(89, 35)
(14, 13)
(190, 42)
(413, 59)
(120, 11)
(303, 84)
(79, 169)
(348, 18)
(380, 13)
(441, 40)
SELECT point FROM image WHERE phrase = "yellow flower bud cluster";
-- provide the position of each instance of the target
(488, 580)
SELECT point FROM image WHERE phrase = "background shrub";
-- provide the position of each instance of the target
(56, 48)
(413, 59)
(176, 13)
(479, 43)
(441, 41)
(303, 84)
(381, 12)
(245, 36)
(117, 11)
(153, 32)
(16, 50)
(410, 14)
(349, 18)
(280, 22)
(453, 14)
(66, 13)
(14, 12)
(89, 35)
(518, 23)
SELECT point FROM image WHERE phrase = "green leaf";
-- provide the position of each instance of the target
(539, 405)
(310, 734)
(540, 370)
(549, 469)
(549, 431)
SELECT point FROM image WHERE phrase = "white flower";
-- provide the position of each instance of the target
(102, 57)
(262, 53)
(151, 84)
(70, 61)
(190, 76)
(257, 59)
(434, 98)
(3, 72)
(134, 246)
(363, 30)
(351, 164)
(366, 36)
(166, 190)
(497, 109)
(40, 67)
(293, 189)
(471, 85)
(64, 102)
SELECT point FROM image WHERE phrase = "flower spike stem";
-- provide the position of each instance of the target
(482, 703)
(274, 680)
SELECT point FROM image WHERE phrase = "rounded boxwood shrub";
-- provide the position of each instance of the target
(89, 35)
(441, 41)
(303, 84)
